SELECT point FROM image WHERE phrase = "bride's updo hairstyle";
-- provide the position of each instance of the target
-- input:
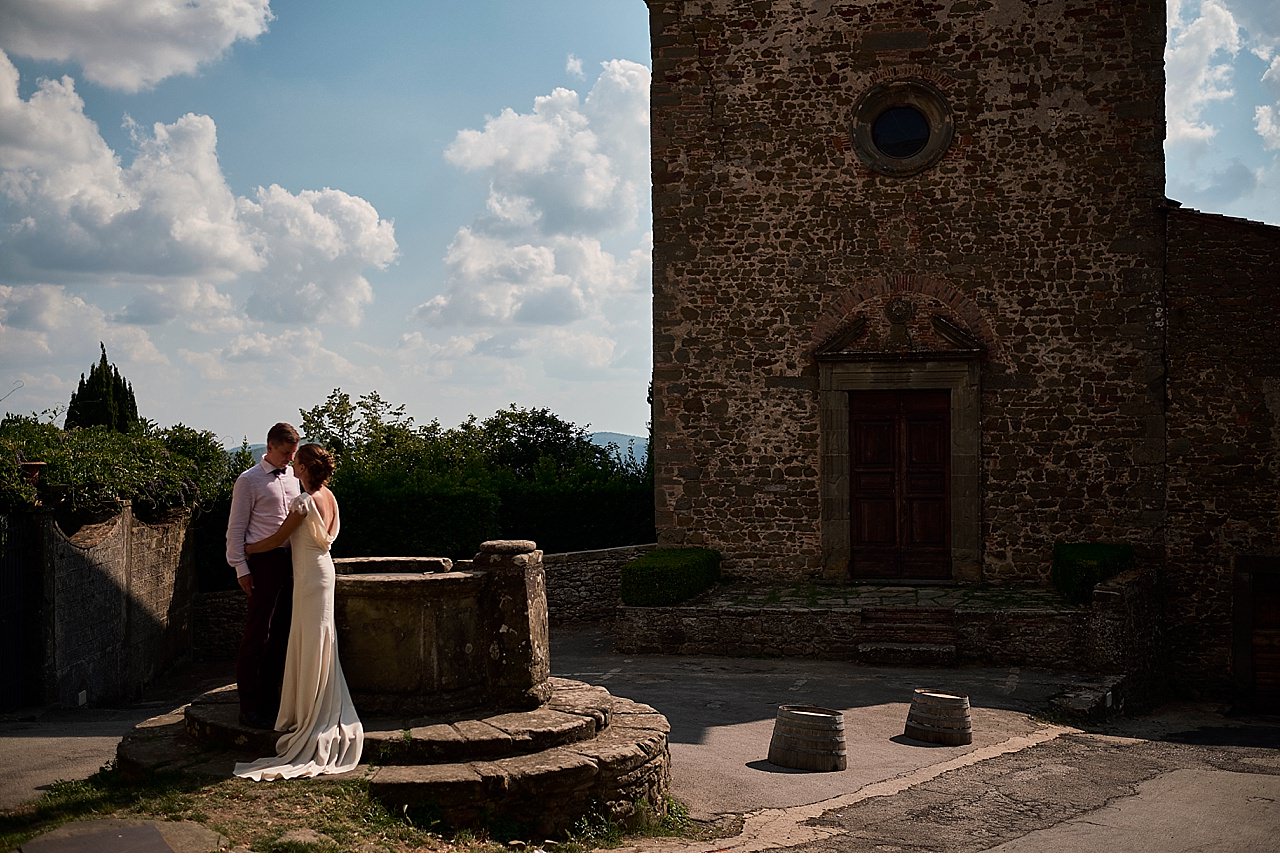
(316, 461)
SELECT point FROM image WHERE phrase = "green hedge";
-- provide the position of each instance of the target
(669, 576)
(578, 516)
(1079, 566)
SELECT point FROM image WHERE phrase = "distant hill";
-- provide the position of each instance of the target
(606, 438)
(258, 450)
(600, 439)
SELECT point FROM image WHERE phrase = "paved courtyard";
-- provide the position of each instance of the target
(1188, 777)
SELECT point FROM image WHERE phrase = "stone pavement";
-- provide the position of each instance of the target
(1186, 778)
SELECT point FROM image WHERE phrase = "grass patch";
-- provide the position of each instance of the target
(594, 831)
(307, 815)
(253, 817)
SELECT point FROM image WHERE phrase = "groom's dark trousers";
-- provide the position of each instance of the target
(260, 661)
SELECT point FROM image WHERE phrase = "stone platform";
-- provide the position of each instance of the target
(908, 625)
(535, 771)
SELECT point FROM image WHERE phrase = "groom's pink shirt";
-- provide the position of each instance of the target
(259, 505)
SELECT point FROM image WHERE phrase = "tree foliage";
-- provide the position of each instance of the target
(520, 473)
(103, 399)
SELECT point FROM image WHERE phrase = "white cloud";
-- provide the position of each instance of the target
(563, 179)
(315, 246)
(127, 44)
(271, 359)
(44, 322)
(1260, 19)
(70, 206)
(1267, 123)
(1195, 69)
(583, 164)
(51, 154)
(200, 307)
(573, 66)
(71, 210)
(563, 279)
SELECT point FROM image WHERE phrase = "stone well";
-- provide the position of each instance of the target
(426, 634)
(449, 667)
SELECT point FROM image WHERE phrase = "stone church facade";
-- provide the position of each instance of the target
(922, 310)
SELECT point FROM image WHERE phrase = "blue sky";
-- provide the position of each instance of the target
(446, 202)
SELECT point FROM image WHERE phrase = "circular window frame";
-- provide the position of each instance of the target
(918, 94)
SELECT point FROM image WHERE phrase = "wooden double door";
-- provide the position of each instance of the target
(900, 484)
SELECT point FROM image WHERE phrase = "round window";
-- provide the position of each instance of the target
(902, 127)
(900, 132)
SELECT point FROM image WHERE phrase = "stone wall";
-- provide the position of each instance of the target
(582, 586)
(1043, 638)
(1115, 634)
(116, 607)
(1039, 232)
(1224, 426)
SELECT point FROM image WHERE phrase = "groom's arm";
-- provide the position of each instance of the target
(237, 529)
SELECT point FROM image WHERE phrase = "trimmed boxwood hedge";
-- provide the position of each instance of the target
(668, 576)
(1079, 566)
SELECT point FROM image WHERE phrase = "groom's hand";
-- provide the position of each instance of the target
(246, 584)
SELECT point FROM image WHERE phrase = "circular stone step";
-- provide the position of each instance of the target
(622, 763)
(575, 712)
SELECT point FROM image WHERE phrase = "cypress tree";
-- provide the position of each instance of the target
(104, 398)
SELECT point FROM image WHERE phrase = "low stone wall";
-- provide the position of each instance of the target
(1024, 637)
(115, 609)
(582, 586)
(1116, 634)
(217, 624)
(996, 636)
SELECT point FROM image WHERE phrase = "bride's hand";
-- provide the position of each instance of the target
(280, 537)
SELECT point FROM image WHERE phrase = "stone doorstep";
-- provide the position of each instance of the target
(932, 617)
(896, 633)
(576, 711)
(875, 652)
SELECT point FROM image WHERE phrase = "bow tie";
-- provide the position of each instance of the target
(278, 471)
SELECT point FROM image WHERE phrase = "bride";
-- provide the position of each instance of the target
(322, 732)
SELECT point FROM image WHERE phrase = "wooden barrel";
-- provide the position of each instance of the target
(940, 717)
(809, 738)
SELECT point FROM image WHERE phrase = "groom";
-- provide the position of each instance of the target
(259, 504)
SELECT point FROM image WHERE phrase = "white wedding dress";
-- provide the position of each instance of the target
(323, 734)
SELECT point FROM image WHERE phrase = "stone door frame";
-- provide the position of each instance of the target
(962, 378)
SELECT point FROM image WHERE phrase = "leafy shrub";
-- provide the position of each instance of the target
(413, 518)
(669, 576)
(1079, 566)
(89, 471)
(15, 491)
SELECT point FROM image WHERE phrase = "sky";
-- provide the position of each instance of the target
(255, 202)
